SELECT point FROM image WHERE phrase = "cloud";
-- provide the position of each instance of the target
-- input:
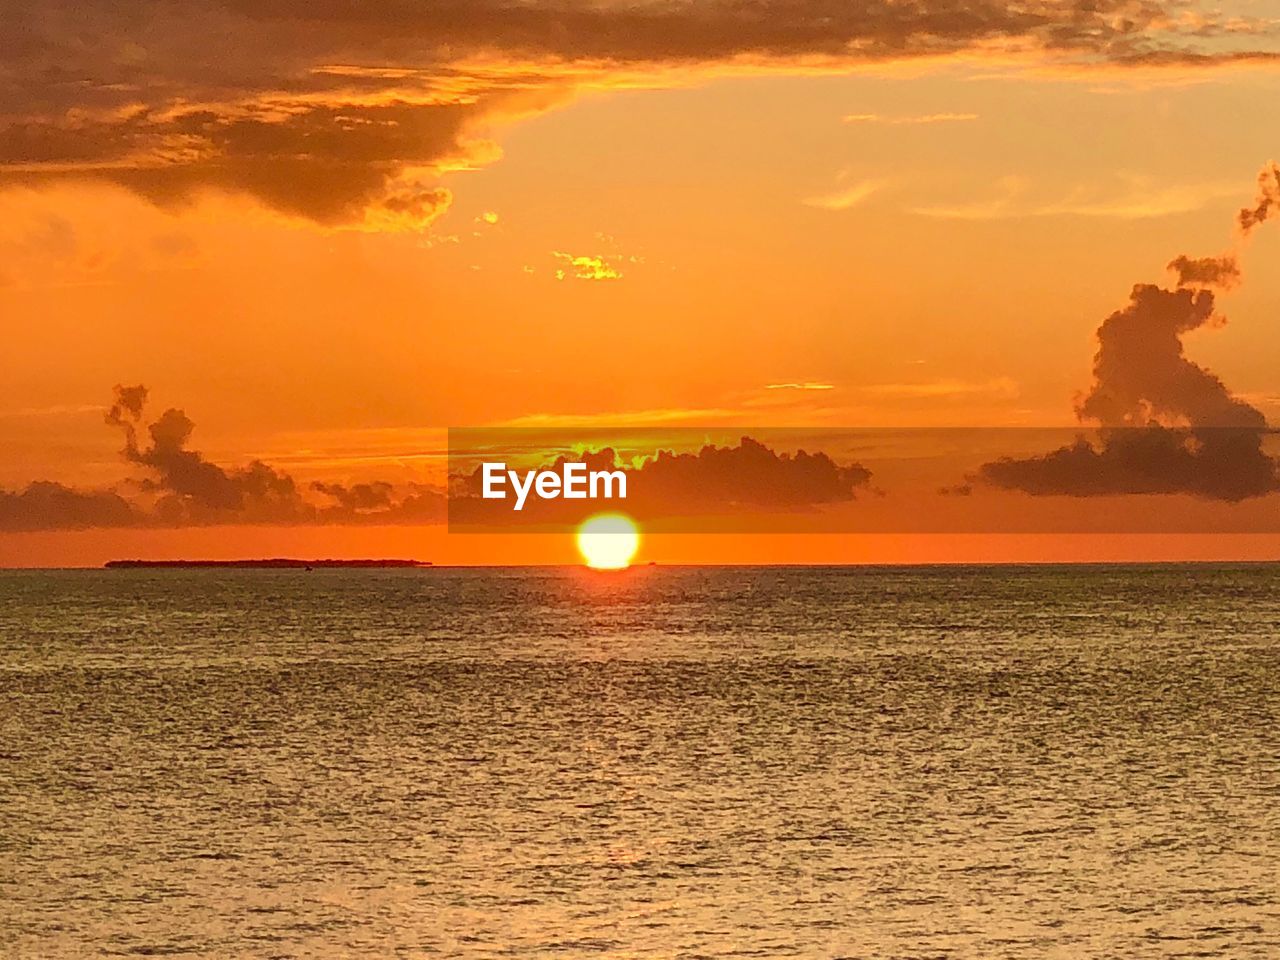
(347, 114)
(1210, 463)
(1221, 271)
(803, 385)
(1268, 199)
(1141, 374)
(1168, 424)
(846, 197)
(354, 164)
(748, 475)
(1139, 200)
(179, 487)
(124, 413)
(381, 503)
(46, 505)
(194, 490)
(909, 120)
(587, 267)
(714, 480)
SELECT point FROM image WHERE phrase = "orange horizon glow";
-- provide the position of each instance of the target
(677, 220)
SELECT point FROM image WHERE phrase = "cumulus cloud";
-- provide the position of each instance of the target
(1221, 271)
(1168, 424)
(191, 489)
(714, 480)
(46, 505)
(1211, 463)
(347, 113)
(1142, 374)
(1268, 199)
(748, 475)
(179, 487)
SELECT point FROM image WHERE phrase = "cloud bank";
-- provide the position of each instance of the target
(179, 487)
(1168, 424)
(748, 477)
(347, 113)
(176, 486)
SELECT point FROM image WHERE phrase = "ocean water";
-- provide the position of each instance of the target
(1020, 762)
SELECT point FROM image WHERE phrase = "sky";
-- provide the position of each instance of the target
(327, 232)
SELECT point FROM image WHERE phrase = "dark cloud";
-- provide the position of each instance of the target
(1141, 372)
(179, 487)
(45, 505)
(1221, 272)
(380, 502)
(193, 490)
(361, 497)
(125, 411)
(749, 475)
(665, 31)
(332, 165)
(343, 112)
(1211, 463)
(746, 478)
(1268, 199)
(1168, 424)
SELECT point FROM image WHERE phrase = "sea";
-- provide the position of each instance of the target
(908, 763)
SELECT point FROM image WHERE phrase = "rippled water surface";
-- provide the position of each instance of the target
(869, 763)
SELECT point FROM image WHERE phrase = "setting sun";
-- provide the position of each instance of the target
(608, 541)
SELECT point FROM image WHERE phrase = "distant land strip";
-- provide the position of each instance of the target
(273, 563)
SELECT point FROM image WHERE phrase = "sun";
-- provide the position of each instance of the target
(608, 541)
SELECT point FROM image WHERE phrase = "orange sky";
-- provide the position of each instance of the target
(328, 233)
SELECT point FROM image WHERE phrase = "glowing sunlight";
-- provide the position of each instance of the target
(608, 541)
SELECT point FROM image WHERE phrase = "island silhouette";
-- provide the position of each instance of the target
(272, 563)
